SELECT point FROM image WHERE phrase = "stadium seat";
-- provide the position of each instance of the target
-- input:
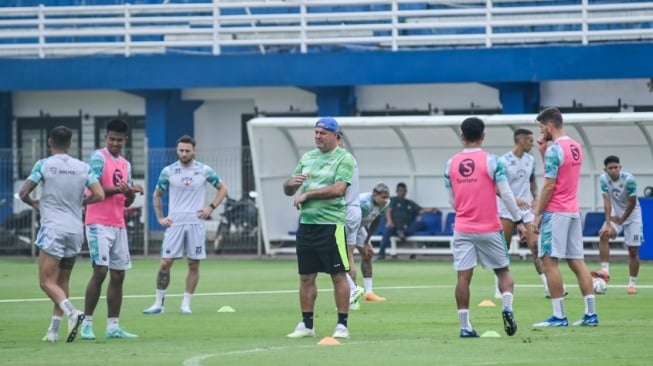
(593, 223)
(448, 224)
(432, 224)
(381, 228)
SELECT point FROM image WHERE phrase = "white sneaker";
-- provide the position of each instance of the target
(186, 310)
(301, 331)
(50, 337)
(154, 309)
(355, 306)
(74, 321)
(355, 295)
(341, 332)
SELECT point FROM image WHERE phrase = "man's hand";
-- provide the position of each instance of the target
(164, 221)
(607, 231)
(536, 224)
(522, 204)
(298, 201)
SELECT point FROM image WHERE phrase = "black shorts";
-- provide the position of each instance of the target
(321, 248)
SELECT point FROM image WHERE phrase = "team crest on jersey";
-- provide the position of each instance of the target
(53, 171)
(186, 181)
(521, 173)
(177, 171)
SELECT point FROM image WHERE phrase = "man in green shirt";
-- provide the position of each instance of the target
(321, 177)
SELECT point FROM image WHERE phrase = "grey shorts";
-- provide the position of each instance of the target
(561, 235)
(184, 237)
(352, 223)
(58, 243)
(488, 248)
(108, 246)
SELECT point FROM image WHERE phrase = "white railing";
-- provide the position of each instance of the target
(302, 26)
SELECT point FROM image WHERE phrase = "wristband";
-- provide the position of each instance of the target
(212, 206)
(520, 221)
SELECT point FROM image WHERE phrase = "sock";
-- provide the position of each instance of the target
(367, 282)
(67, 307)
(160, 297)
(559, 308)
(605, 266)
(507, 301)
(352, 284)
(112, 324)
(546, 285)
(307, 318)
(342, 319)
(88, 319)
(496, 285)
(185, 303)
(463, 319)
(590, 304)
(632, 281)
(54, 324)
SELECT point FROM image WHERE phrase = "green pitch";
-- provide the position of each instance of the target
(417, 325)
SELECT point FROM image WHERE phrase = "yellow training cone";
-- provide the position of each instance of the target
(328, 341)
(486, 303)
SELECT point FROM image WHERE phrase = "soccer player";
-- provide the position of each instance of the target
(106, 232)
(185, 180)
(520, 170)
(373, 205)
(557, 218)
(64, 180)
(472, 178)
(321, 177)
(622, 212)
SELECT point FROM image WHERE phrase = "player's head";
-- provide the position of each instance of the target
(326, 134)
(401, 190)
(524, 139)
(549, 119)
(380, 194)
(60, 138)
(186, 149)
(473, 129)
(116, 136)
(612, 166)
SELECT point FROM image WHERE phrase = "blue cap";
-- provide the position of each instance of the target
(327, 123)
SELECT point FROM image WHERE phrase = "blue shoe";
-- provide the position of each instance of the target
(468, 333)
(553, 321)
(154, 309)
(509, 324)
(588, 321)
(119, 333)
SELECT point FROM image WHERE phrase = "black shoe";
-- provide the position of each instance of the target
(509, 323)
(465, 333)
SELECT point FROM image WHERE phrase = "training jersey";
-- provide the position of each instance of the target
(110, 171)
(322, 170)
(519, 172)
(620, 191)
(352, 192)
(65, 180)
(186, 188)
(562, 162)
(369, 210)
(471, 175)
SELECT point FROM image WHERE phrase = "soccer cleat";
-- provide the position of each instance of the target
(468, 333)
(588, 321)
(355, 306)
(87, 331)
(74, 321)
(497, 295)
(601, 273)
(341, 331)
(184, 310)
(632, 290)
(119, 333)
(50, 337)
(373, 297)
(154, 309)
(509, 324)
(355, 295)
(301, 331)
(553, 321)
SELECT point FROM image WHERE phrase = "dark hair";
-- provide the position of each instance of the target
(61, 136)
(186, 140)
(472, 128)
(550, 115)
(117, 125)
(381, 188)
(401, 185)
(610, 159)
(521, 132)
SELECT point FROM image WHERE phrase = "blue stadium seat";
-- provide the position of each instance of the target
(432, 224)
(448, 224)
(381, 228)
(593, 223)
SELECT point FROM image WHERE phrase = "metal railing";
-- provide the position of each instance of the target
(260, 27)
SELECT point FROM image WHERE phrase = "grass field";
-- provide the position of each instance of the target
(417, 325)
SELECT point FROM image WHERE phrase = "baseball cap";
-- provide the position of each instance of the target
(327, 123)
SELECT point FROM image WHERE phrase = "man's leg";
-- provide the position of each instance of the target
(307, 296)
(366, 269)
(633, 267)
(385, 240)
(462, 295)
(192, 279)
(114, 304)
(63, 278)
(162, 282)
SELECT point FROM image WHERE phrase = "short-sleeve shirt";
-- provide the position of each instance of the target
(186, 186)
(620, 191)
(322, 170)
(562, 162)
(403, 211)
(519, 171)
(472, 176)
(64, 181)
(352, 193)
(369, 210)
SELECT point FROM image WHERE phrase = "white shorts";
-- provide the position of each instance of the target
(526, 214)
(633, 234)
(561, 235)
(489, 249)
(188, 237)
(58, 243)
(352, 223)
(360, 238)
(108, 246)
